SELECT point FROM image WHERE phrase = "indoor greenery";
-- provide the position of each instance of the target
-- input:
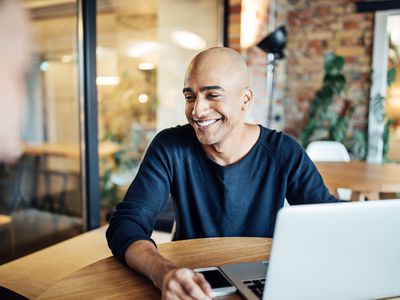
(323, 122)
(378, 109)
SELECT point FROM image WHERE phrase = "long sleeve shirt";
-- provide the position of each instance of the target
(211, 200)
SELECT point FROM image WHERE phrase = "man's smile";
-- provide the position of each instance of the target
(205, 123)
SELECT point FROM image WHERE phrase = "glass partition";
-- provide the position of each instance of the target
(143, 49)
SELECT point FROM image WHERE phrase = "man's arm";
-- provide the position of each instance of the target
(173, 282)
(131, 225)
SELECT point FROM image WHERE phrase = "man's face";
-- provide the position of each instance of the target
(214, 102)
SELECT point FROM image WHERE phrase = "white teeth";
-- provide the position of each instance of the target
(206, 123)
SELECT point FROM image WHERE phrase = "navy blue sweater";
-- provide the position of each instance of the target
(211, 200)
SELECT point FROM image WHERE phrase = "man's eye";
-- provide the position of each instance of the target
(211, 95)
(189, 98)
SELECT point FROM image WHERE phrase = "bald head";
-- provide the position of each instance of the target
(217, 95)
(220, 61)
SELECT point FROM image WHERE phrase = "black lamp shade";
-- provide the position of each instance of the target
(275, 42)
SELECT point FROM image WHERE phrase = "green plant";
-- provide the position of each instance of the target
(110, 165)
(323, 123)
(358, 144)
(326, 124)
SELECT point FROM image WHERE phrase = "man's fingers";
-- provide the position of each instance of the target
(175, 291)
(184, 284)
(203, 284)
(185, 277)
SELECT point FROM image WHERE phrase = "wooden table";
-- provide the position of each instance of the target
(6, 223)
(364, 179)
(109, 279)
(31, 275)
(68, 150)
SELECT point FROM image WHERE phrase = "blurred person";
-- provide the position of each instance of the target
(226, 177)
(14, 62)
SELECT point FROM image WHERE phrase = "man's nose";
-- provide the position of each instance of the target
(200, 107)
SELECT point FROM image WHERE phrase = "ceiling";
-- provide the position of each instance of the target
(55, 24)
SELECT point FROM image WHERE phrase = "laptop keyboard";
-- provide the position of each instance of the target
(256, 286)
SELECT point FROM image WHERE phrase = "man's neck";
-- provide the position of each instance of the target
(232, 150)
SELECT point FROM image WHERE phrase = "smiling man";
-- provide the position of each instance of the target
(226, 177)
(217, 95)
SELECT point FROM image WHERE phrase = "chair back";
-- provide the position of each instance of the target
(327, 151)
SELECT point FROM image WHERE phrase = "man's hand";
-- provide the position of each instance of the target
(174, 282)
(185, 284)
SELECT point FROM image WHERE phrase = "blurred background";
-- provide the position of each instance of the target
(325, 87)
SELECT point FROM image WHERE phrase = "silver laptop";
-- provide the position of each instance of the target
(328, 251)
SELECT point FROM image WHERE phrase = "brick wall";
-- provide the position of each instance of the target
(235, 8)
(316, 28)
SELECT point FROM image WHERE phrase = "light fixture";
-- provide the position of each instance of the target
(107, 80)
(142, 98)
(188, 40)
(66, 59)
(273, 44)
(141, 47)
(44, 66)
(146, 66)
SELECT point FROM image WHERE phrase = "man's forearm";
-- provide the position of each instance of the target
(143, 257)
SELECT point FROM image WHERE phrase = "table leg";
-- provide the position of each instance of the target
(357, 196)
(372, 196)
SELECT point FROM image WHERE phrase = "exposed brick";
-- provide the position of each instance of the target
(351, 25)
(350, 51)
(234, 41)
(320, 35)
(337, 9)
(234, 18)
(349, 33)
(351, 7)
(322, 11)
(235, 2)
(342, 31)
(235, 9)
(315, 28)
(364, 59)
(234, 29)
(336, 26)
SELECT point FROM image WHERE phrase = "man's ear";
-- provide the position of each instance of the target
(247, 98)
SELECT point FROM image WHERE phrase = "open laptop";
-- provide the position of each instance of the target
(328, 251)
